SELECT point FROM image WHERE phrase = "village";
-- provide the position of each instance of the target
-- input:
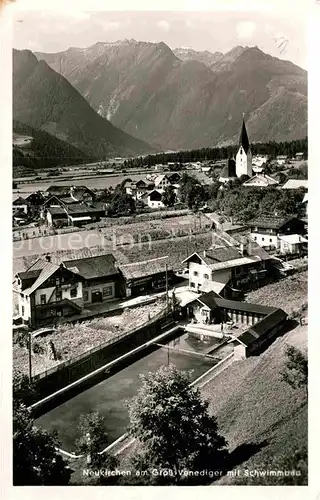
(188, 254)
(153, 264)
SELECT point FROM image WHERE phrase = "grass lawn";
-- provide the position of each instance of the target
(290, 293)
(73, 340)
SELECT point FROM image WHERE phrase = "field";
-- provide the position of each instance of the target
(290, 294)
(115, 235)
(73, 340)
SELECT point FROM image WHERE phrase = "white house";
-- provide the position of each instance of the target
(19, 204)
(292, 243)
(260, 180)
(154, 199)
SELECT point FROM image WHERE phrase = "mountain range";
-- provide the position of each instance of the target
(182, 98)
(45, 100)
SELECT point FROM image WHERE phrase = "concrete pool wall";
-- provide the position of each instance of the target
(110, 395)
(75, 370)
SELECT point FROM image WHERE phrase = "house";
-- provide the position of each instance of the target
(147, 276)
(299, 156)
(293, 244)
(102, 280)
(162, 181)
(262, 181)
(75, 214)
(174, 178)
(48, 292)
(154, 199)
(19, 204)
(296, 184)
(229, 270)
(244, 155)
(282, 159)
(228, 173)
(254, 326)
(139, 188)
(76, 193)
(266, 230)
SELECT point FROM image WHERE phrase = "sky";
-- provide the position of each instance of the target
(279, 31)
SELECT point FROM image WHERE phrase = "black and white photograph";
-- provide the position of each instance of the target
(160, 247)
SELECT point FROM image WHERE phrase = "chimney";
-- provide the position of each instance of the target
(48, 258)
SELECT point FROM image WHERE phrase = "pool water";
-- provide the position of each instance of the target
(109, 396)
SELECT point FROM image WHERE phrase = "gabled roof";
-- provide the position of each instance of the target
(155, 194)
(145, 268)
(296, 184)
(263, 180)
(263, 326)
(18, 200)
(93, 267)
(244, 306)
(229, 170)
(270, 222)
(48, 270)
(244, 140)
(38, 264)
(24, 275)
(209, 299)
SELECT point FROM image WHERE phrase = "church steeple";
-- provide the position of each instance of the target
(244, 155)
(244, 140)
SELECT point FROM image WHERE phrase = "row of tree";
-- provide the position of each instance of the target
(271, 148)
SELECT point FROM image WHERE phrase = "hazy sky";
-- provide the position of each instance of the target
(279, 33)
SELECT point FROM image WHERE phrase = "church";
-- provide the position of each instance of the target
(242, 165)
(244, 155)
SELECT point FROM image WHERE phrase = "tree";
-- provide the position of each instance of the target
(169, 196)
(121, 204)
(92, 440)
(173, 425)
(296, 368)
(36, 461)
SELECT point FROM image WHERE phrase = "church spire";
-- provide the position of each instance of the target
(244, 141)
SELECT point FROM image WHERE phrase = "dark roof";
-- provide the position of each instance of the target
(271, 222)
(244, 306)
(155, 195)
(209, 299)
(244, 140)
(19, 201)
(93, 267)
(94, 207)
(29, 274)
(145, 268)
(57, 210)
(262, 327)
(222, 254)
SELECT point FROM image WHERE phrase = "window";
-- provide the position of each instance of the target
(262, 239)
(43, 299)
(255, 238)
(270, 240)
(22, 310)
(206, 276)
(195, 273)
(192, 285)
(107, 291)
(85, 296)
(58, 295)
(73, 292)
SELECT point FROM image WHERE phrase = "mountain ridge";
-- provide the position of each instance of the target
(45, 100)
(148, 91)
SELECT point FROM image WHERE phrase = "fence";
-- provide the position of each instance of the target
(109, 342)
